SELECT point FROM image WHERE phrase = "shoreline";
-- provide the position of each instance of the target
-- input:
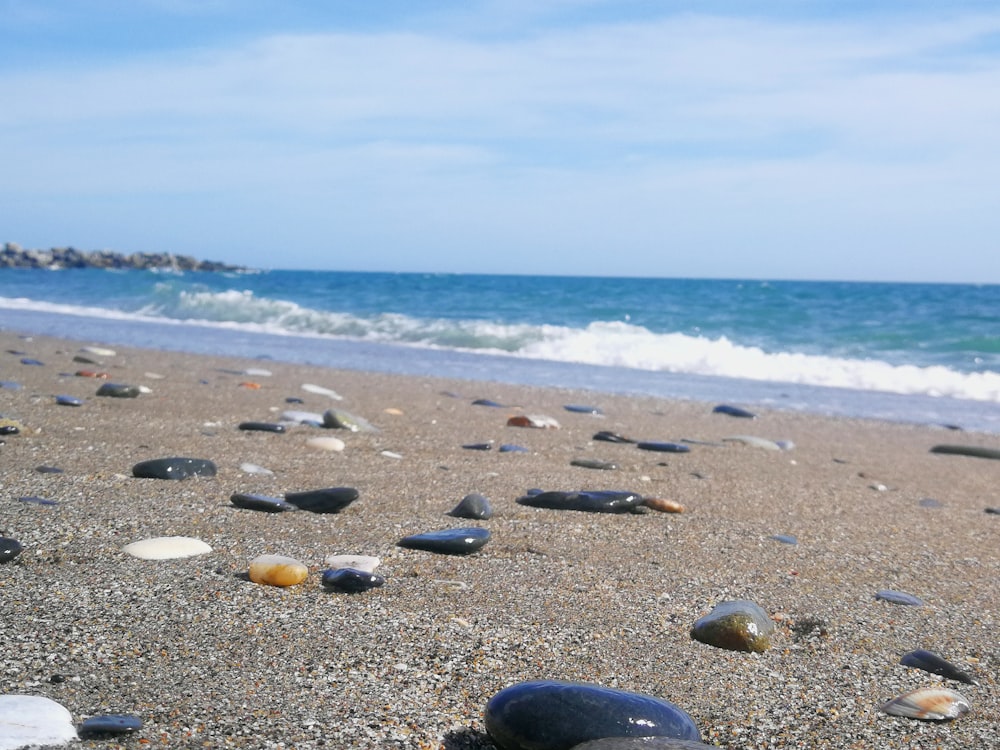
(203, 655)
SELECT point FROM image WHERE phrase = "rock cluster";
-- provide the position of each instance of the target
(14, 256)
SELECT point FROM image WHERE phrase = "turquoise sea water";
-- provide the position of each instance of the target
(907, 352)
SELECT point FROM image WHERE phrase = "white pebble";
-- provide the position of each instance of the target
(255, 469)
(326, 443)
(166, 548)
(99, 351)
(33, 721)
(366, 563)
(321, 391)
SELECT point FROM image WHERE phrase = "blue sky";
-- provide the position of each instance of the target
(786, 139)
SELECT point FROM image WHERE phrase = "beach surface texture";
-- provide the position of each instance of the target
(206, 656)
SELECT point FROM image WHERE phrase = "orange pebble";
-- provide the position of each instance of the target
(663, 505)
(251, 386)
(92, 374)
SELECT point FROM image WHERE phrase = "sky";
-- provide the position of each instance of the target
(790, 139)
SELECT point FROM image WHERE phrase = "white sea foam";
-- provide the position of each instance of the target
(616, 344)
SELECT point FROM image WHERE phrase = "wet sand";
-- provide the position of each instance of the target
(209, 659)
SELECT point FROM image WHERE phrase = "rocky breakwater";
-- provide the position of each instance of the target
(14, 256)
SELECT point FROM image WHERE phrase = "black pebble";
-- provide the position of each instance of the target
(350, 580)
(331, 500)
(109, 724)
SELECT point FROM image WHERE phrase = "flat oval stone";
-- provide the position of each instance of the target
(109, 725)
(351, 580)
(473, 505)
(784, 538)
(34, 500)
(174, 468)
(330, 500)
(48, 469)
(32, 362)
(98, 351)
(487, 402)
(511, 448)
(754, 442)
(553, 715)
(641, 743)
(255, 469)
(342, 420)
(9, 549)
(736, 625)
(898, 597)
(967, 450)
(117, 390)
(28, 721)
(931, 662)
(734, 411)
(277, 570)
(262, 427)
(448, 541)
(582, 409)
(593, 463)
(322, 391)
(366, 563)
(313, 418)
(265, 503)
(64, 400)
(478, 446)
(166, 548)
(589, 501)
(331, 444)
(663, 447)
(611, 437)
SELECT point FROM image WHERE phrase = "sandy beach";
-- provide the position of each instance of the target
(207, 658)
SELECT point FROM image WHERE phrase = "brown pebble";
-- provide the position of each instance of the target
(663, 505)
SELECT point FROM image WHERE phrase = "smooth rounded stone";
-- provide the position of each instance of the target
(262, 427)
(930, 502)
(928, 704)
(736, 625)
(312, 418)
(265, 503)
(473, 505)
(588, 501)
(898, 597)
(48, 469)
(9, 549)
(107, 725)
(511, 448)
(329, 500)
(321, 391)
(166, 548)
(11, 385)
(663, 505)
(255, 469)
(554, 715)
(583, 409)
(294, 400)
(448, 541)
(117, 390)
(277, 570)
(331, 444)
(967, 450)
(784, 538)
(487, 402)
(98, 351)
(607, 436)
(753, 441)
(28, 721)
(535, 421)
(663, 447)
(478, 446)
(10, 427)
(365, 563)
(641, 743)
(64, 400)
(992, 511)
(32, 362)
(928, 661)
(593, 463)
(351, 580)
(174, 468)
(33, 500)
(733, 411)
(342, 420)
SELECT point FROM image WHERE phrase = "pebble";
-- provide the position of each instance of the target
(251, 501)
(487, 402)
(33, 500)
(343, 420)
(448, 541)
(312, 418)
(32, 362)
(321, 391)
(10, 385)
(554, 715)
(663, 505)
(64, 400)
(28, 721)
(117, 390)
(10, 426)
(166, 548)
(928, 661)
(48, 469)
(898, 597)
(473, 505)
(734, 411)
(255, 469)
(928, 704)
(736, 625)
(351, 580)
(106, 725)
(590, 501)
(784, 538)
(332, 444)
(611, 437)
(366, 563)
(593, 463)
(662, 447)
(930, 502)
(92, 374)
(174, 468)
(330, 500)
(754, 442)
(262, 427)
(641, 743)
(582, 409)
(98, 351)
(9, 549)
(511, 448)
(967, 450)
(277, 570)
(478, 446)
(536, 421)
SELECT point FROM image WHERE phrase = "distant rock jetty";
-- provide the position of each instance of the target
(14, 256)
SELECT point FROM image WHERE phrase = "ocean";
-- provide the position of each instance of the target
(919, 353)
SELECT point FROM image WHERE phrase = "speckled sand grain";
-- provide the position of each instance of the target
(208, 659)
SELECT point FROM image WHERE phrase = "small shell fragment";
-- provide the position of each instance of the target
(931, 662)
(928, 704)
(664, 505)
(538, 421)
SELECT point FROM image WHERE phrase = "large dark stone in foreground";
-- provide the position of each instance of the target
(448, 541)
(474, 505)
(330, 500)
(174, 468)
(590, 501)
(552, 715)
(737, 625)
